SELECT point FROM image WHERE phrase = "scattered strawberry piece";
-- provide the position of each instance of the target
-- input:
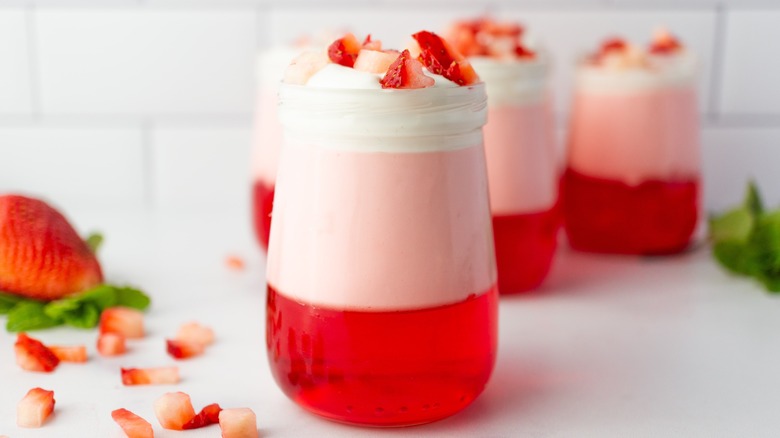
(41, 255)
(374, 61)
(77, 354)
(194, 332)
(439, 58)
(344, 51)
(406, 72)
(123, 320)
(664, 43)
(111, 344)
(150, 376)
(235, 263)
(207, 416)
(368, 44)
(32, 355)
(304, 67)
(174, 410)
(132, 425)
(524, 52)
(613, 45)
(184, 349)
(33, 410)
(238, 423)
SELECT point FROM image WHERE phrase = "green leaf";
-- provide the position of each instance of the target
(58, 309)
(753, 201)
(735, 225)
(8, 302)
(103, 296)
(86, 317)
(736, 257)
(93, 241)
(28, 316)
(134, 298)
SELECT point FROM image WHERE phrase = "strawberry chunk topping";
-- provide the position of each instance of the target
(664, 43)
(132, 425)
(439, 58)
(207, 416)
(368, 44)
(33, 410)
(150, 376)
(406, 72)
(344, 51)
(32, 355)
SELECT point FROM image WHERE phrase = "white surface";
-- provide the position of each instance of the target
(612, 347)
(15, 89)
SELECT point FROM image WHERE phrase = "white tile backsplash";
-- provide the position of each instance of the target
(15, 77)
(146, 61)
(201, 165)
(751, 67)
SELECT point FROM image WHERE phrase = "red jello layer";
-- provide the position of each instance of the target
(263, 200)
(388, 368)
(654, 217)
(525, 245)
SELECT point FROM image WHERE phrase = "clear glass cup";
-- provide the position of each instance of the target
(382, 297)
(631, 185)
(522, 169)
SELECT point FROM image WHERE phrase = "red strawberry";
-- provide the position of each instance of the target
(111, 344)
(406, 72)
(76, 354)
(194, 332)
(664, 43)
(368, 44)
(33, 410)
(184, 349)
(613, 45)
(132, 425)
(238, 423)
(32, 355)
(439, 58)
(344, 51)
(206, 416)
(524, 52)
(174, 410)
(125, 321)
(41, 255)
(150, 376)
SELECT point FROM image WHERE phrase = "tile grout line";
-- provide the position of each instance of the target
(717, 64)
(33, 64)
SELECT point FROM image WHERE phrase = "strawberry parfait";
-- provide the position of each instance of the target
(631, 185)
(382, 297)
(520, 150)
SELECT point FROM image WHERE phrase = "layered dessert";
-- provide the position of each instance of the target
(519, 146)
(631, 185)
(382, 297)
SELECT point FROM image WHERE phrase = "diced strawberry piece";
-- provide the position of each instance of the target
(235, 263)
(194, 332)
(501, 29)
(344, 51)
(33, 410)
(123, 320)
(76, 353)
(369, 44)
(32, 355)
(150, 376)
(111, 344)
(664, 43)
(132, 425)
(439, 58)
(304, 67)
(406, 72)
(524, 52)
(613, 45)
(374, 61)
(238, 423)
(184, 349)
(174, 410)
(206, 416)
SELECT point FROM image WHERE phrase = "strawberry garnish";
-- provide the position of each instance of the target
(238, 423)
(123, 320)
(437, 56)
(664, 43)
(76, 354)
(32, 355)
(184, 349)
(150, 376)
(207, 416)
(406, 72)
(41, 255)
(111, 344)
(33, 410)
(524, 52)
(613, 45)
(174, 410)
(368, 44)
(194, 332)
(344, 51)
(132, 425)
(375, 61)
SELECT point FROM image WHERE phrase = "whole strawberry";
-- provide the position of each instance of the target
(41, 255)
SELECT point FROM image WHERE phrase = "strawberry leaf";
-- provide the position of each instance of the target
(8, 302)
(29, 316)
(94, 241)
(133, 298)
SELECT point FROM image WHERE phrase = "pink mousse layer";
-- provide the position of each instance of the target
(267, 138)
(650, 134)
(521, 161)
(381, 230)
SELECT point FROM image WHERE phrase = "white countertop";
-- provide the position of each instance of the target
(612, 346)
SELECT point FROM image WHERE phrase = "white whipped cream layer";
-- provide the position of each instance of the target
(513, 81)
(661, 71)
(339, 76)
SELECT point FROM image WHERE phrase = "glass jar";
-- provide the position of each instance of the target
(632, 180)
(382, 297)
(522, 169)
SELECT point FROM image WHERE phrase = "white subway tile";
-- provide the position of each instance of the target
(81, 164)
(732, 156)
(751, 68)
(196, 166)
(570, 34)
(15, 84)
(146, 61)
